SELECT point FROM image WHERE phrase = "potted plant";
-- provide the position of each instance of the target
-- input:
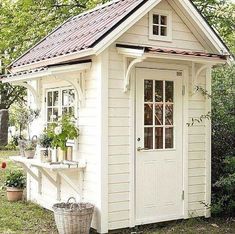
(45, 143)
(61, 132)
(15, 184)
(30, 148)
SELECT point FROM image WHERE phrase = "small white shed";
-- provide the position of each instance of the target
(128, 70)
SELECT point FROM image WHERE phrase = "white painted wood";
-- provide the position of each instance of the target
(159, 173)
(208, 145)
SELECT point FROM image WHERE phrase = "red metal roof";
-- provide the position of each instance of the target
(184, 52)
(161, 50)
(80, 32)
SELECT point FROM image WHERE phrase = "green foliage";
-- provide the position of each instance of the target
(62, 131)
(221, 15)
(223, 141)
(11, 146)
(21, 117)
(15, 179)
(45, 141)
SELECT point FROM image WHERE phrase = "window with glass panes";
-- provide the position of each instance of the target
(160, 25)
(59, 102)
(158, 114)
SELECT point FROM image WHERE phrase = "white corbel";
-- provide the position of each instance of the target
(77, 84)
(128, 70)
(196, 72)
(32, 90)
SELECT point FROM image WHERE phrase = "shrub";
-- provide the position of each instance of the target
(223, 142)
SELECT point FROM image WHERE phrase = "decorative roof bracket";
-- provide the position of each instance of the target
(78, 85)
(34, 92)
(128, 71)
(196, 72)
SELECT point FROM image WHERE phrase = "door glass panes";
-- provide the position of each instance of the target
(169, 141)
(148, 87)
(158, 138)
(148, 114)
(148, 138)
(158, 91)
(158, 114)
(169, 91)
(169, 114)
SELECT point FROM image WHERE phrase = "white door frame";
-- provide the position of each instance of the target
(185, 76)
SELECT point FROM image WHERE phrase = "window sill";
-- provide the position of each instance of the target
(160, 38)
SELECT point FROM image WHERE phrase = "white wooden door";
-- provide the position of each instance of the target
(159, 169)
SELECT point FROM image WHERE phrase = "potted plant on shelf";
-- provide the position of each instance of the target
(15, 184)
(30, 148)
(62, 131)
(45, 144)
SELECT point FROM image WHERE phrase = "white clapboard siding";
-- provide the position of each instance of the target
(118, 224)
(120, 120)
(119, 187)
(196, 147)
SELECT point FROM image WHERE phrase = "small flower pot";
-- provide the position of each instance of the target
(45, 155)
(61, 154)
(14, 194)
(29, 153)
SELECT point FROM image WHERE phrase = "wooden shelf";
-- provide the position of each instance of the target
(52, 167)
(59, 170)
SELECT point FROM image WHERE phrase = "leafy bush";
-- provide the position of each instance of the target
(223, 141)
(15, 179)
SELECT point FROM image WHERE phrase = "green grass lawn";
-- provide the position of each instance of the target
(21, 217)
(26, 218)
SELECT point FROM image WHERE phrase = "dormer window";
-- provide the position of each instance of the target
(160, 25)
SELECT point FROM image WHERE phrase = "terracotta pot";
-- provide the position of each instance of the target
(14, 194)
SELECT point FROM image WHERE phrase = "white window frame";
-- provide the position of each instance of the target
(166, 13)
(60, 90)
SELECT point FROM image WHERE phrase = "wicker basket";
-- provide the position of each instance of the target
(73, 218)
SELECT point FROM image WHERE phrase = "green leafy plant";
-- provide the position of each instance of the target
(15, 179)
(45, 141)
(62, 131)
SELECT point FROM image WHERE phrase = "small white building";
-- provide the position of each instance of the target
(128, 70)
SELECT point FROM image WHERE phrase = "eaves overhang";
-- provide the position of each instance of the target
(169, 53)
(46, 71)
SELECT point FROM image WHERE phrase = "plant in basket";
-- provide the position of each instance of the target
(62, 131)
(15, 184)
